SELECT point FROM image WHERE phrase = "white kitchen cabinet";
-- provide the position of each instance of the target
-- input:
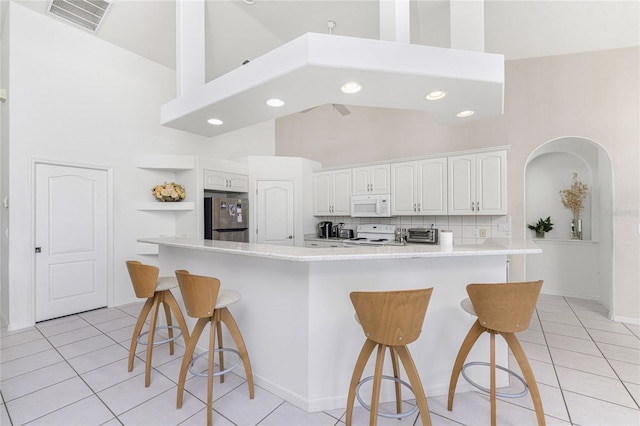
(478, 184)
(419, 187)
(224, 181)
(372, 179)
(332, 193)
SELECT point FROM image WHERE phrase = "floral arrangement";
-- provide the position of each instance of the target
(169, 191)
(574, 197)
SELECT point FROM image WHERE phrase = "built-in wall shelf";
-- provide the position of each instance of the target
(166, 162)
(170, 206)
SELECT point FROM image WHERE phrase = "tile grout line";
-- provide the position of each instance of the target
(607, 361)
(555, 371)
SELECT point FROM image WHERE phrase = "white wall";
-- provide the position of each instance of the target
(77, 99)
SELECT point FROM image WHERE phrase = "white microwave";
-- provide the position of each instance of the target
(371, 205)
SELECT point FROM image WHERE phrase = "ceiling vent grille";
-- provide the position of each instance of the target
(86, 13)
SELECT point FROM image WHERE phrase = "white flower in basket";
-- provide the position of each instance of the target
(169, 191)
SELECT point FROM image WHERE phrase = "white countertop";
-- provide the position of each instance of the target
(491, 247)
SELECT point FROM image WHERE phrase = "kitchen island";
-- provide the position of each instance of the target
(298, 322)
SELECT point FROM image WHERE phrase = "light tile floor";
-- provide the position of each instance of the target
(73, 371)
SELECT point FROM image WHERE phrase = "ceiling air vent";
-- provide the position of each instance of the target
(85, 13)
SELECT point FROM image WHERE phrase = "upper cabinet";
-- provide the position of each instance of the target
(332, 193)
(478, 184)
(419, 187)
(372, 180)
(216, 180)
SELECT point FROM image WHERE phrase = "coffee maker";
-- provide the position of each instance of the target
(325, 229)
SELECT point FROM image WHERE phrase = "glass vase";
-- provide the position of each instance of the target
(576, 229)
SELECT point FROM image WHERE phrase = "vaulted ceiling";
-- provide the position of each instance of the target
(237, 31)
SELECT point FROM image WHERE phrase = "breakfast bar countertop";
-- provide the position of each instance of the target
(491, 247)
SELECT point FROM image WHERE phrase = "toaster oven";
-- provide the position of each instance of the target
(422, 235)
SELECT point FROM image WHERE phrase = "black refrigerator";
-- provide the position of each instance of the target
(226, 219)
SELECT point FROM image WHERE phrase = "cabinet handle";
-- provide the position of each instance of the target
(472, 209)
(414, 207)
(418, 207)
(477, 205)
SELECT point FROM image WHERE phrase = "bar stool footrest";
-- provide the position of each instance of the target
(381, 413)
(217, 373)
(524, 392)
(142, 341)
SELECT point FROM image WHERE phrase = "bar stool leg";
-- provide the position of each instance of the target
(144, 312)
(474, 333)
(212, 341)
(151, 335)
(365, 353)
(173, 306)
(377, 382)
(227, 319)
(492, 360)
(520, 356)
(396, 374)
(416, 383)
(188, 354)
(220, 345)
(167, 314)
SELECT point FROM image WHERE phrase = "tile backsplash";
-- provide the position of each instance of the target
(466, 229)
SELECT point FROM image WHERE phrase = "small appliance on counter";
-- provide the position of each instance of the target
(325, 229)
(346, 233)
(422, 235)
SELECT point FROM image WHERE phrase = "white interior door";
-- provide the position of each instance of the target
(71, 212)
(275, 212)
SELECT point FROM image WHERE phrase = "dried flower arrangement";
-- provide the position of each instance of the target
(169, 191)
(573, 198)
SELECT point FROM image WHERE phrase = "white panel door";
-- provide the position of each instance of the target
(432, 186)
(71, 240)
(275, 213)
(403, 189)
(341, 193)
(462, 184)
(491, 185)
(322, 187)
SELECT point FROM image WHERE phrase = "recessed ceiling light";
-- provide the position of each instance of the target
(215, 121)
(467, 113)
(275, 102)
(351, 87)
(434, 96)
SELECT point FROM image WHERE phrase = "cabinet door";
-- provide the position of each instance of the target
(323, 194)
(491, 183)
(238, 183)
(342, 192)
(462, 174)
(432, 186)
(361, 181)
(403, 190)
(380, 178)
(224, 181)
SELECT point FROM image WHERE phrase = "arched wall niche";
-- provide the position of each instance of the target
(574, 268)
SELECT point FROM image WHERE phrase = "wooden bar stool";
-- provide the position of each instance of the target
(204, 300)
(157, 291)
(503, 309)
(390, 320)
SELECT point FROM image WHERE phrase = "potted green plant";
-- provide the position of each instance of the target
(543, 225)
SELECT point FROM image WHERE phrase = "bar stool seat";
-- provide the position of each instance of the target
(204, 300)
(390, 320)
(157, 290)
(505, 309)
